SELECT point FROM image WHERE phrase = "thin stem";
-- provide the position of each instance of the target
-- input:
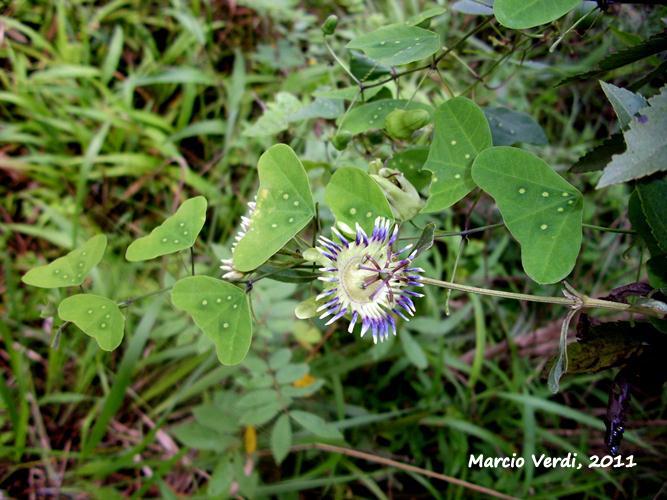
(608, 229)
(132, 300)
(578, 302)
(341, 64)
(192, 261)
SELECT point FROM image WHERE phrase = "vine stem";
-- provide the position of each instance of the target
(571, 300)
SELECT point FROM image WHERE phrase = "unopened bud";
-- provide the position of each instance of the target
(400, 124)
(401, 194)
(329, 25)
(341, 140)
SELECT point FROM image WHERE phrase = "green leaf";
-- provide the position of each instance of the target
(290, 373)
(626, 104)
(281, 438)
(397, 44)
(199, 437)
(347, 93)
(371, 116)
(410, 162)
(319, 108)
(426, 15)
(284, 207)
(598, 157)
(70, 269)
(178, 232)
(509, 127)
(221, 310)
(354, 197)
(316, 425)
(365, 69)
(653, 199)
(521, 14)
(646, 139)
(96, 316)
(461, 132)
(541, 210)
(656, 268)
(474, 7)
(413, 350)
(280, 358)
(640, 225)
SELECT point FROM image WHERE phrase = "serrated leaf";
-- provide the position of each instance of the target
(411, 162)
(281, 438)
(397, 44)
(371, 116)
(598, 157)
(626, 104)
(461, 132)
(646, 141)
(354, 197)
(70, 269)
(540, 208)
(653, 198)
(220, 310)
(96, 316)
(316, 425)
(275, 118)
(178, 232)
(522, 14)
(510, 127)
(284, 207)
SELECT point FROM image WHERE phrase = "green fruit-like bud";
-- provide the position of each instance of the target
(341, 140)
(400, 124)
(402, 196)
(375, 136)
(329, 25)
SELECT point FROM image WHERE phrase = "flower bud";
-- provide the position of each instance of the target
(341, 140)
(400, 124)
(329, 25)
(402, 196)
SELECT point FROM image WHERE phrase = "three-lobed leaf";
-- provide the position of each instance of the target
(354, 197)
(70, 269)
(521, 14)
(397, 44)
(96, 316)
(284, 207)
(221, 310)
(646, 140)
(540, 208)
(178, 232)
(626, 104)
(461, 132)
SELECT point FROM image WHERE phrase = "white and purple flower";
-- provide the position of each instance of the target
(232, 274)
(367, 280)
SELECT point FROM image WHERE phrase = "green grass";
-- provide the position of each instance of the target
(113, 113)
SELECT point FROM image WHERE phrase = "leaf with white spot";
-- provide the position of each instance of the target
(354, 197)
(178, 232)
(70, 269)
(397, 44)
(96, 316)
(522, 14)
(411, 162)
(221, 310)
(371, 116)
(284, 207)
(461, 132)
(646, 141)
(540, 208)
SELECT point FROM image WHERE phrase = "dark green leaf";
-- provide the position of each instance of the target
(600, 156)
(510, 127)
(521, 14)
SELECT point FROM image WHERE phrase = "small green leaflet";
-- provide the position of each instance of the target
(275, 118)
(509, 127)
(541, 210)
(96, 316)
(397, 44)
(354, 197)
(371, 116)
(521, 14)
(284, 207)
(178, 232)
(461, 132)
(71, 269)
(220, 310)
(626, 104)
(426, 15)
(646, 142)
(281, 438)
(316, 425)
(411, 162)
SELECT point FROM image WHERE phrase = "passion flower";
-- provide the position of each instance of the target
(232, 274)
(367, 280)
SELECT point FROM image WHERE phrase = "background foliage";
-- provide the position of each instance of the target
(112, 114)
